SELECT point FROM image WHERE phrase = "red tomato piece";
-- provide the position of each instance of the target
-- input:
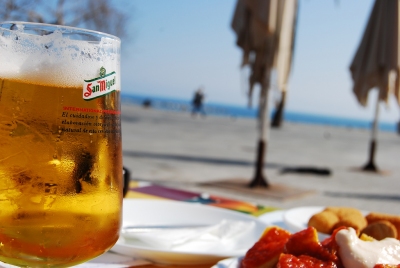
(306, 243)
(303, 261)
(265, 253)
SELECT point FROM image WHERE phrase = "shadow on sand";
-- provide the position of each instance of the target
(199, 159)
(225, 161)
(364, 196)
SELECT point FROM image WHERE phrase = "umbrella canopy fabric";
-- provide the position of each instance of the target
(284, 54)
(376, 61)
(265, 30)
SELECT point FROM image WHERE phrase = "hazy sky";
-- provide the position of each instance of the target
(178, 45)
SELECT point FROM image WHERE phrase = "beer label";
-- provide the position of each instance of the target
(100, 86)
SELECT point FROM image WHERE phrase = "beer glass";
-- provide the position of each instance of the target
(60, 144)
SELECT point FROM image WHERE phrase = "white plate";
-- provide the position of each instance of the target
(165, 212)
(296, 219)
(270, 218)
(229, 263)
(274, 218)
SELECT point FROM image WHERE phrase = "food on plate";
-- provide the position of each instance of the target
(325, 222)
(349, 217)
(376, 225)
(344, 212)
(393, 219)
(366, 237)
(380, 230)
(350, 223)
(356, 253)
(266, 251)
(306, 248)
(290, 261)
(300, 248)
(343, 249)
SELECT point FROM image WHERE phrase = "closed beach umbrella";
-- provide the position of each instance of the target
(263, 29)
(284, 56)
(376, 63)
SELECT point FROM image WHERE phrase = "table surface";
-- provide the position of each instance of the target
(152, 191)
(170, 266)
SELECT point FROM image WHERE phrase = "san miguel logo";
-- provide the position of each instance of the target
(100, 86)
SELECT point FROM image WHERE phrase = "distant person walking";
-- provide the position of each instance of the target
(197, 103)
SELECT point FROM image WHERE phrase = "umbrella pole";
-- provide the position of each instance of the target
(259, 179)
(370, 166)
(277, 119)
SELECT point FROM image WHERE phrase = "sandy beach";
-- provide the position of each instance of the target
(174, 149)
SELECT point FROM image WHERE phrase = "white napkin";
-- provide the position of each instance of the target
(228, 237)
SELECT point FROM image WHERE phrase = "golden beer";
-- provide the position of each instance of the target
(60, 171)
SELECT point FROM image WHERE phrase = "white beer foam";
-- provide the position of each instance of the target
(52, 60)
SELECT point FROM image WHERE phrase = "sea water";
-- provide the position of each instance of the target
(233, 111)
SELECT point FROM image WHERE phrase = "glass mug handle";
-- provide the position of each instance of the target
(127, 177)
